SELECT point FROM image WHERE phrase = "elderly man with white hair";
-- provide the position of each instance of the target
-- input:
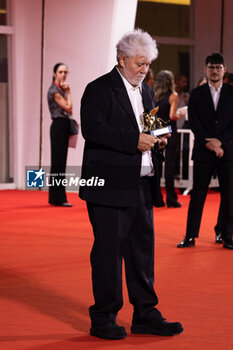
(121, 212)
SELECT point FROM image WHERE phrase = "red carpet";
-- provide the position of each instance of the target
(45, 286)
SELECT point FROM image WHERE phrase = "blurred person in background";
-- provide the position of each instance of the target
(150, 78)
(166, 99)
(60, 106)
(181, 84)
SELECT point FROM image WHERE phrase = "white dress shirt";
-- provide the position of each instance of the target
(215, 95)
(135, 96)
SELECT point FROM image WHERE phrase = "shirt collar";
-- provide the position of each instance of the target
(128, 86)
(213, 89)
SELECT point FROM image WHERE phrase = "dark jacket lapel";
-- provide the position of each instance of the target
(222, 97)
(123, 98)
(207, 95)
(122, 95)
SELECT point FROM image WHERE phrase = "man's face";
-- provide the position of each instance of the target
(215, 72)
(183, 83)
(151, 80)
(134, 69)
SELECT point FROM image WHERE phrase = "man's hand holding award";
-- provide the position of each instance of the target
(155, 131)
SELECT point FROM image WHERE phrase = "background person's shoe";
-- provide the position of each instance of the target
(111, 332)
(160, 204)
(174, 205)
(65, 204)
(186, 243)
(228, 244)
(164, 328)
(218, 238)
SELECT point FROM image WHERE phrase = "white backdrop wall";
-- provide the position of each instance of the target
(26, 51)
(81, 34)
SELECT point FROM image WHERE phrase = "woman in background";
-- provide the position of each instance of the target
(166, 98)
(60, 106)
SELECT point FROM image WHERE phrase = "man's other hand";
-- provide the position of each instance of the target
(146, 142)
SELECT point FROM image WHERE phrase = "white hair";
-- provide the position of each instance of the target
(137, 43)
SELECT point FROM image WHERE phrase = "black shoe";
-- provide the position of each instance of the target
(186, 243)
(228, 244)
(111, 332)
(218, 238)
(65, 204)
(164, 328)
(161, 204)
(174, 205)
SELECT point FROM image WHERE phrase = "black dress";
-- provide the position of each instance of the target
(171, 150)
(59, 137)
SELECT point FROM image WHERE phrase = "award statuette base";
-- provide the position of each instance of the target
(161, 131)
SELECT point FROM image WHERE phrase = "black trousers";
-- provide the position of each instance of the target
(123, 233)
(218, 227)
(203, 172)
(59, 136)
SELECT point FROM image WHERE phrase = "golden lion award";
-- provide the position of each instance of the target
(154, 125)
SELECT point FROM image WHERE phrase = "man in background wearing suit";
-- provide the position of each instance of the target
(210, 113)
(121, 211)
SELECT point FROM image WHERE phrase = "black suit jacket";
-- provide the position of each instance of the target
(205, 122)
(111, 136)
